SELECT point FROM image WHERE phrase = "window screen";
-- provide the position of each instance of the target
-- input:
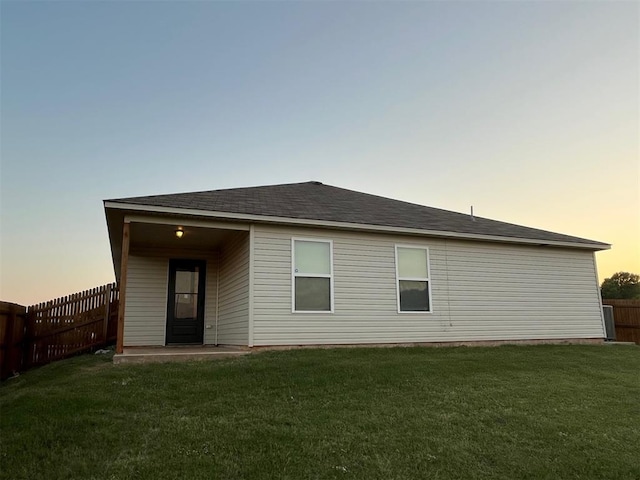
(312, 276)
(413, 279)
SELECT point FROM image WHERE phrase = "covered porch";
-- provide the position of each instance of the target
(184, 286)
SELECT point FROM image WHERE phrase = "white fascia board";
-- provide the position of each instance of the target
(184, 222)
(349, 226)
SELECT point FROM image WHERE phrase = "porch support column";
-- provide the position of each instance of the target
(124, 262)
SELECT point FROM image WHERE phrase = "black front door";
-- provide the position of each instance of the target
(185, 305)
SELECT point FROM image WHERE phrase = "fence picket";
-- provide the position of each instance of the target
(626, 316)
(106, 294)
(57, 328)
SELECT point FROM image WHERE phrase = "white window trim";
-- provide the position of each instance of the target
(416, 279)
(308, 275)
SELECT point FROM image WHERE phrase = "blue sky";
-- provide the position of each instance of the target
(527, 110)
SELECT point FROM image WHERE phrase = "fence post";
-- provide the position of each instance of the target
(107, 301)
(122, 284)
(27, 339)
(15, 347)
(8, 366)
(8, 355)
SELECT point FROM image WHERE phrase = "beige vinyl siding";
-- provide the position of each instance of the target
(233, 310)
(507, 292)
(146, 302)
(479, 291)
(210, 299)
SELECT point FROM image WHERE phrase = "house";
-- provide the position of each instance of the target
(310, 264)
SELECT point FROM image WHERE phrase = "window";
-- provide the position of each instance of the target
(186, 293)
(312, 279)
(412, 273)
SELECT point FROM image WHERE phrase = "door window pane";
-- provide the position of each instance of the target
(186, 305)
(313, 294)
(312, 257)
(414, 296)
(187, 281)
(412, 262)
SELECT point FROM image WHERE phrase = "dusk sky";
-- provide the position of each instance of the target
(529, 111)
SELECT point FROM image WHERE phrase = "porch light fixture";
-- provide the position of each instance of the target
(179, 232)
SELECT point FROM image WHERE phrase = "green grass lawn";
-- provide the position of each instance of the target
(556, 412)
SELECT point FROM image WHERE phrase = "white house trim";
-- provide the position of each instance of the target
(251, 281)
(185, 222)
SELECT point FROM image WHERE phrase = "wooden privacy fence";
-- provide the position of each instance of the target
(626, 316)
(12, 322)
(48, 331)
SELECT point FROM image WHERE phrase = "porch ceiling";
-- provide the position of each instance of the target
(158, 231)
(151, 235)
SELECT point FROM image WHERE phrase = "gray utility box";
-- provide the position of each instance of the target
(609, 324)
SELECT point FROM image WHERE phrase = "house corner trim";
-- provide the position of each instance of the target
(251, 281)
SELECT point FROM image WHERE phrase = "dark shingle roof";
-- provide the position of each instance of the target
(316, 201)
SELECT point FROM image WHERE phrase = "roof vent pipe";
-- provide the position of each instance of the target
(472, 217)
